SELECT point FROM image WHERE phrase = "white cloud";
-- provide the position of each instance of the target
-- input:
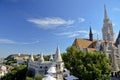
(7, 41)
(73, 33)
(116, 9)
(50, 23)
(81, 33)
(81, 20)
(34, 42)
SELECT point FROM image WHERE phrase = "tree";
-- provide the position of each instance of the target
(39, 77)
(87, 65)
(29, 78)
(18, 73)
(30, 73)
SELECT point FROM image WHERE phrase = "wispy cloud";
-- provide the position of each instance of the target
(81, 33)
(8, 41)
(80, 20)
(116, 9)
(72, 33)
(50, 23)
(34, 42)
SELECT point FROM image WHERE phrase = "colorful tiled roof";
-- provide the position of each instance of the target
(84, 43)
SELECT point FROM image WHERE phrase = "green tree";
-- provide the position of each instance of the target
(87, 65)
(18, 73)
(29, 78)
(30, 73)
(39, 77)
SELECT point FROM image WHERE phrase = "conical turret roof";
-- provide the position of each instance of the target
(58, 57)
(41, 59)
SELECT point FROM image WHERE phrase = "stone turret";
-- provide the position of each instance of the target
(51, 58)
(58, 57)
(41, 59)
(59, 64)
(31, 58)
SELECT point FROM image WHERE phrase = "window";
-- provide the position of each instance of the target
(40, 67)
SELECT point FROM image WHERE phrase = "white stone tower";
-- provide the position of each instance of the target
(31, 58)
(58, 57)
(41, 59)
(59, 64)
(51, 58)
(107, 30)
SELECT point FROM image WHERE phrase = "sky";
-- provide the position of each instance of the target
(35, 26)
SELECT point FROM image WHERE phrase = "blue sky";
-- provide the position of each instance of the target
(34, 26)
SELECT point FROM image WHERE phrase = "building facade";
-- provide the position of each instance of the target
(41, 67)
(107, 45)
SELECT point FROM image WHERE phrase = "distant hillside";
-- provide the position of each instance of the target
(15, 55)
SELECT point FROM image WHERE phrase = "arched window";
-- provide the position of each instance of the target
(40, 67)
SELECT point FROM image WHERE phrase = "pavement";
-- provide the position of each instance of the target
(114, 78)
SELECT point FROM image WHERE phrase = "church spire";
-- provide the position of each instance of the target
(105, 14)
(58, 57)
(90, 35)
(107, 29)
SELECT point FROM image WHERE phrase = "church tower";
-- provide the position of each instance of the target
(107, 30)
(90, 35)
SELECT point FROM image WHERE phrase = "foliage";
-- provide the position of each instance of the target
(87, 65)
(46, 57)
(39, 77)
(29, 73)
(29, 78)
(18, 73)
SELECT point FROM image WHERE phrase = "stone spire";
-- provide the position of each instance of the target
(58, 57)
(41, 59)
(105, 14)
(51, 58)
(107, 29)
(90, 35)
(31, 58)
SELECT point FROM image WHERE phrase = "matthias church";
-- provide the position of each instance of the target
(107, 45)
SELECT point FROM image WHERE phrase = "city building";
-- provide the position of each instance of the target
(107, 45)
(3, 70)
(41, 67)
